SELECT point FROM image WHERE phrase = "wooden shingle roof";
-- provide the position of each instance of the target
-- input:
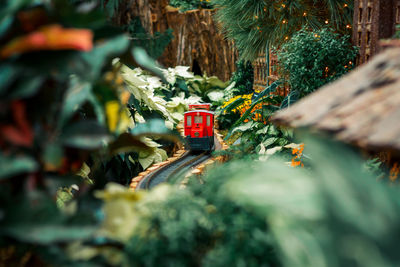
(361, 108)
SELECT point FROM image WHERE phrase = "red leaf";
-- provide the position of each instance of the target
(21, 134)
(50, 37)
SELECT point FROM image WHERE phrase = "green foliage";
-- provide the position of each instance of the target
(200, 227)
(111, 6)
(314, 58)
(185, 5)
(243, 79)
(210, 89)
(262, 214)
(65, 122)
(308, 61)
(254, 137)
(255, 25)
(225, 121)
(153, 44)
(322, 216)
(397, 33)
(375, 167)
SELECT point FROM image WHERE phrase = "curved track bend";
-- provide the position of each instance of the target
(178, 167)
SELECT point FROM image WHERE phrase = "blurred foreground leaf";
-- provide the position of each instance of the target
(155, 127)
(333, 214)
(14, 165)
(46, 234)
(77, 94)
(145, 61)
(102, 52)
(127, 142)
(85, 135)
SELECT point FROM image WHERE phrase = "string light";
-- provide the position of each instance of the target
(256, 17)
(304, 14)
(287, 37)
(326, 21)
(345, 5)
(284, 21)
(283, 5)
(348, 26)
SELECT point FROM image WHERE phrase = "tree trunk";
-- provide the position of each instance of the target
(197, 42)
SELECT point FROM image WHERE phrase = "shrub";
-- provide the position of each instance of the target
(185, 5)
(314, 58)
(243, 78)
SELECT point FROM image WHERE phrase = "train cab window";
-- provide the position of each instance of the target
(189, 120)
(208, 120)
(198, 119)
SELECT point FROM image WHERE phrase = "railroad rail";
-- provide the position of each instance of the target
(174, 169)
(199, 165)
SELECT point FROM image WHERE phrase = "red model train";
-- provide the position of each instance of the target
(199, 127)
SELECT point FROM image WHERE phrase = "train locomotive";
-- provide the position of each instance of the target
(199, 127)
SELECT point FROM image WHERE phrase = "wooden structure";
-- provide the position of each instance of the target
(265, 74)
(362, 108)
(197, 42)
(373, 20)
(260, 73)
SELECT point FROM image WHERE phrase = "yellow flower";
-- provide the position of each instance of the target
(118, 118)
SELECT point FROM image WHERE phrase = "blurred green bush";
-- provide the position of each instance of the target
(252, 213)
(311, 59)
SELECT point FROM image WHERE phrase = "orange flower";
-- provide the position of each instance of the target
(394, 172)
(295, 163)
(50, 37)
(298, 152)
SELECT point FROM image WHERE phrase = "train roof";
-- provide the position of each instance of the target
(199, 111)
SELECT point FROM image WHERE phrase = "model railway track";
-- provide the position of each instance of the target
(176, 168)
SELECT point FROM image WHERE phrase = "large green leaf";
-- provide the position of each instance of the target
(77, 93)
(155, 127)
(245, 115)
(127, 142)
(15, 165)
(258, 100)
(85, 135)
(96, 58)
(47, 234)
(157, 155)
(27, 88)
(269, 141)
(53, 154)
(245, 127)
(97, 108)
(8, 74)
(214, 81)
(216, 95)
(267, 91)
(145, 61)
(233, 105)
(5, 24)
(290, 99)
(11, 6)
